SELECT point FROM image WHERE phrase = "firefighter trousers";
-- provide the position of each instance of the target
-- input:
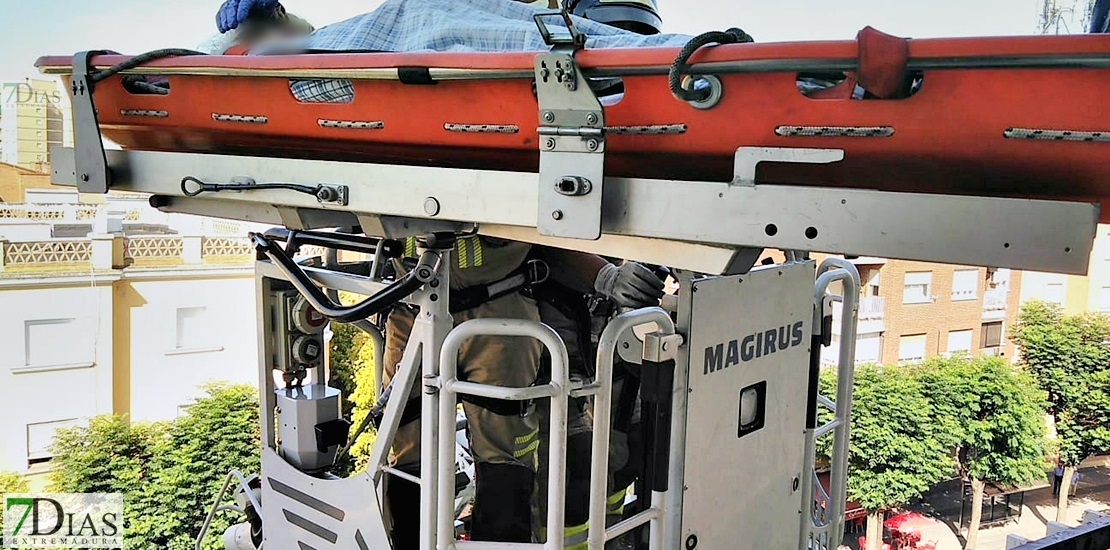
(504, 446)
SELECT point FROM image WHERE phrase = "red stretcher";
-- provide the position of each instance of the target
(1004, 117)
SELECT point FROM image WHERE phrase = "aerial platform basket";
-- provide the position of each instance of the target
(985, 119)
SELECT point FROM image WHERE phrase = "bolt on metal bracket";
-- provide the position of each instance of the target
(572, 138)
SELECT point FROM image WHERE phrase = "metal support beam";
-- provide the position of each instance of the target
(999, 232)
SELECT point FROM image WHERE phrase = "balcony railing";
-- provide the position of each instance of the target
(119, 252)
(996, 300)
(48, 212)
(872, 308)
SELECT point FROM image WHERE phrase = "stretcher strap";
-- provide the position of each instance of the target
(882, 63)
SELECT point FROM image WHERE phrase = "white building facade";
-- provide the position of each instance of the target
(132, 321)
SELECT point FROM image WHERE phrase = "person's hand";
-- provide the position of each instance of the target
(630, 285)
(233, 12)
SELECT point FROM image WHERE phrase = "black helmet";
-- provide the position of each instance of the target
(639, 16)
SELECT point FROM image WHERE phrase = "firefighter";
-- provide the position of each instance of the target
(566, 303)
(504, 435)
(638, 16)
(625, 446)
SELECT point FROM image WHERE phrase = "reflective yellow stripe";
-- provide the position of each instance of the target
(527, 438)
(410, 247)
(477, 252)
(463, 250)
(575, 537)
(614, 505)
(525, 451)
(616, 498)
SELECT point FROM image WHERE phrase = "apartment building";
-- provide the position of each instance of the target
(34, 115)
(115, 308)
(15, 181)
(1075, 293)
(911, 311)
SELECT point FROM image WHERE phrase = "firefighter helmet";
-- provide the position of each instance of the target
(639, 16)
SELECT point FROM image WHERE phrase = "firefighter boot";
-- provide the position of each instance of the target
(502, 503)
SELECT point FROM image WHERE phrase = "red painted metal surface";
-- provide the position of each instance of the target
(948, 137)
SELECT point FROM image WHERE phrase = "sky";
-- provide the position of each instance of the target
(29, 29)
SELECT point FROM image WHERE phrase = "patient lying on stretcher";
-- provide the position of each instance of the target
(470, 26)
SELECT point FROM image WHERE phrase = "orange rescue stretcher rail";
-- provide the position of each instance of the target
(1021, 117)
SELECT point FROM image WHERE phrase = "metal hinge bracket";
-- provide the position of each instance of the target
(91, 164)
(572, 139)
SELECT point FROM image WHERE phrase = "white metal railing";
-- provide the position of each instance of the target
(558, 390)
(995, 299)
(823, 527)
(872, 308)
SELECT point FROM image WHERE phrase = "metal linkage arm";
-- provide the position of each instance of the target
(338, 241)
(424, 272)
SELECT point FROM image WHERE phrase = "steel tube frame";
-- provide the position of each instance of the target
(812, 530)
(442, 74)
(599, 463)
(449, 388)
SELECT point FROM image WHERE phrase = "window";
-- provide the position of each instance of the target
(41, 435)
(869, 348)
(992, 335)
(193, 329)
(959, 341)
(1054, 293)
(58, 343)
(873, 285)
(911, 348)
(918, 287)
(1104, 299)
(965, 284)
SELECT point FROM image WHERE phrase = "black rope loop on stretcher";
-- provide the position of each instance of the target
(141, 59)
(680, 67)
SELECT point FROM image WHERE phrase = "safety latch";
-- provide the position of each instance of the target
(571, 136)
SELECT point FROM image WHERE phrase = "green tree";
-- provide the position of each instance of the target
(345, 344)
(898, 451)
(12, 483)
(168, 472)
(364, 397)
(996, 416)
(1069, 355)
(109, 455)
(219, 433)
(352, 372)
